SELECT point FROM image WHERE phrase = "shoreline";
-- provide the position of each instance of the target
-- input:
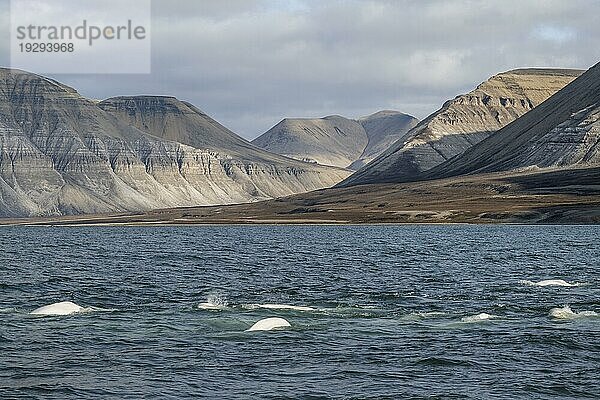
(299, 222)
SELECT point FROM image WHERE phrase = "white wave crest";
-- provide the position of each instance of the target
(427, 314)
(477, 318)
(550, 282)
(99, 309)
(278, 307)
(565, 312)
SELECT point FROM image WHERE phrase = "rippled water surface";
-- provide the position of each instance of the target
(387, 312)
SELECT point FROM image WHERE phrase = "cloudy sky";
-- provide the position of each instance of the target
(249, 63)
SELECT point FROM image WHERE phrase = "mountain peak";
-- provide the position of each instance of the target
(563, 132)
(23, 80)
(544, 71)
(336, 140)
(382, 114)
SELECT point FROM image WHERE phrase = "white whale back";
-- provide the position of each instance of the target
(268, 324)
(549, 282)
(565, 312)
(553, 282)
(62, 308)
(477, 318)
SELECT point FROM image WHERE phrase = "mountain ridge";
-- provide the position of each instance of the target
(555, 134)
(336, 140)
(462, 122)
(61, 153)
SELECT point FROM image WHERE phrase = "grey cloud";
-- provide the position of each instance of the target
(250, 63)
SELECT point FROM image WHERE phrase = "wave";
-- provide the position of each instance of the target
(477, 318)
(99, 309)
(278, 307)
(427, 314)
(565, 312)
(550, 282)
(444, 361)
(417, 316)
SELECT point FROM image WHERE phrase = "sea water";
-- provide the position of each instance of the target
(374, 312)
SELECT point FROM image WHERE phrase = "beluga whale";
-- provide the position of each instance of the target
(550, 282)
(62, 308)
(269, 324)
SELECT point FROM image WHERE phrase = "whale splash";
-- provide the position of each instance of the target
(476, 318)
(549, 282)
(214, 303)
(565, 312)
(269, 324)
(62, 308)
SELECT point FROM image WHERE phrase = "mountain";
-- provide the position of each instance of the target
(542, 168)
(332, 140)
(562, 133)
(61, 153)
(173, 120)
(462, 123)
(336, 140)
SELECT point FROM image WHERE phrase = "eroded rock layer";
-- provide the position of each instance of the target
(463, 122)
(562, 133)
(61, 153)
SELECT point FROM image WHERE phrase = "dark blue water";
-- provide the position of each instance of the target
(394, 312)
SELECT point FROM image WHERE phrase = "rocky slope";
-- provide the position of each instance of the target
(63, 154)
(464, 122)
(336, 140)
(562, 133)
(553, 197)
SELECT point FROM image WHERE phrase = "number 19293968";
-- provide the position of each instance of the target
(46, 47)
